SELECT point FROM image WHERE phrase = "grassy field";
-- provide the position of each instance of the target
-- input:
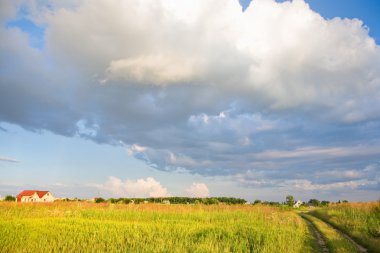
(359, 220)
(85, 227)
(336, 243)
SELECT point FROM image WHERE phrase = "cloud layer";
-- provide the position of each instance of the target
(140, 188)
(273, 94)
(198, 190)
(8, 159)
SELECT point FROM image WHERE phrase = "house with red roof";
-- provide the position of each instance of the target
(35, 196)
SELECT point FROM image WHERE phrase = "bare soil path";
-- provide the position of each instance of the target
(317, 235)
(358, 246)
(322, 243)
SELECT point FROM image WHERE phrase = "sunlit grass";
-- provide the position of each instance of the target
(335, 241)
(84, 227)
(359, 220)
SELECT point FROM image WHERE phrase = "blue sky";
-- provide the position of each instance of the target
(191, 98)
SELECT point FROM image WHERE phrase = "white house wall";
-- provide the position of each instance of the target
(48, 197)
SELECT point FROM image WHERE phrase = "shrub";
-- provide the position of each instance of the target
(9, 198)
(99, 200)
(314, 202)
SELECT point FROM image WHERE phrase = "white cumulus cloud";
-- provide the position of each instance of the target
(154, 69)
(198, 190)
(198, 85)
(139, 188)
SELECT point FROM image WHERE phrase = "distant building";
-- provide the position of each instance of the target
(298, 204)
(35, 196)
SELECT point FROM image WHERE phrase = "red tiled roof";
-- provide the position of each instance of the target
(30, 193)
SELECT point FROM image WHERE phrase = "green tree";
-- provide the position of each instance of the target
(9, 198)
(325, 203)
(314, 202)
(210, 201)
(290, 200)
(99, 200)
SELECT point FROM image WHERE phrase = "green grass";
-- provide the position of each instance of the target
(311, 242)
(336, 243)
(84, 227)
(359, 220)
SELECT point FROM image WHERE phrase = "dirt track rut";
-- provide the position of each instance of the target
(322, 242)
(317, 235)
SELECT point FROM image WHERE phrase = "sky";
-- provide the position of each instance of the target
(197, 98)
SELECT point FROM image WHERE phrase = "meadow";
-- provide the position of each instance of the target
(335, 242)
(359, 220)
(108, 227)
(87, 227)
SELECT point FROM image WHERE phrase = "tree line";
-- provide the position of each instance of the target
(289, 201)
(175, 200)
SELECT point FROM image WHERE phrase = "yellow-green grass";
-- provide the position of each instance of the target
(84, 227)
(359, 220)
(311, 242)
(336, 242)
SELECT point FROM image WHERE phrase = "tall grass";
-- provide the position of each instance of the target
(359, 220)
(84, 227)
(336, 242)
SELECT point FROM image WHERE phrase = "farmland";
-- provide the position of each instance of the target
(105, 227)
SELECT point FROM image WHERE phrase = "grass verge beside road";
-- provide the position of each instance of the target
(361, 221)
